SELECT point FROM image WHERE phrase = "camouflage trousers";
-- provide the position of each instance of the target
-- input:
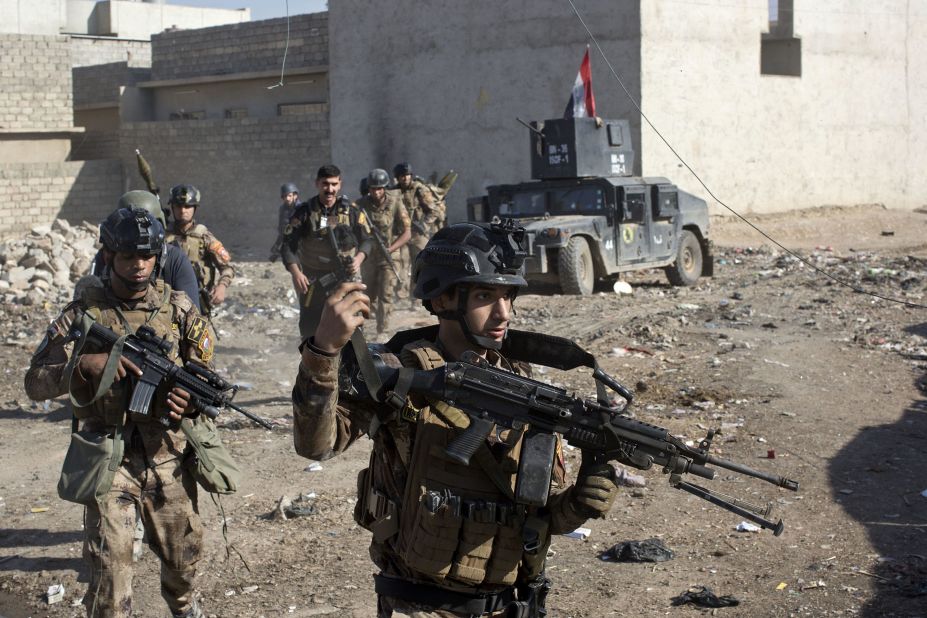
(380, 280)
(163, 499)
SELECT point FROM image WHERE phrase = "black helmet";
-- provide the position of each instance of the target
(288, 187)
(145, 200)
(401, 169)
(377, 179)
(185, 195)
(132, 230)
(465, 254)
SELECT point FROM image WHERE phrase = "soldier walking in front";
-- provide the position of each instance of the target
(385, 214)
(425, 212)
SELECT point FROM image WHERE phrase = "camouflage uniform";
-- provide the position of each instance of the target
(406, 494)
(152, 485)
(211, 260)
(284, 214)
(426, 214)
(307, 244)
(391, 221)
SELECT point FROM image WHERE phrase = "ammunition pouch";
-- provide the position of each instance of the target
(90, 466)
(206, 457)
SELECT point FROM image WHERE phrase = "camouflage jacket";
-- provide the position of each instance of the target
(390, 218)
(171, 314)
(426, 212)
(306, 239)
(211, 260)
(325, 427)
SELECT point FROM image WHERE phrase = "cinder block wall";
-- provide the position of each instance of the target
(240, 48)
(35, 82)
(37, 193)
(89, 51)
(237, 164)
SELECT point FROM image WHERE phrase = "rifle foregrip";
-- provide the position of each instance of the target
(465, 445)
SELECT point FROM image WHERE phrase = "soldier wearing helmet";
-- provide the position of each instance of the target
(211, 260)
(425, 212)
(175, 267)
(449, 538)
(289, 196)
(151, 487)
(308, 251)
(388, 219)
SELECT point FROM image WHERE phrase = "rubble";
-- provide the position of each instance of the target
(41, 267)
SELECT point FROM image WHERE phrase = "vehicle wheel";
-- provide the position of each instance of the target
(577, 273)
(688, 266)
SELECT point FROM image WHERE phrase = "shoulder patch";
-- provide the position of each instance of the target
(199, 336)
(219, 250)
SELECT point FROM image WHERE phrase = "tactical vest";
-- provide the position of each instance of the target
(456, 524)
(193, 243)
(316, 252)
(111, 407)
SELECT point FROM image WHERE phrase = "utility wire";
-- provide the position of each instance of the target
(637, 106)
(286, 47)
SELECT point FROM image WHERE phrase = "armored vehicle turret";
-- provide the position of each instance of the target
(589, 219)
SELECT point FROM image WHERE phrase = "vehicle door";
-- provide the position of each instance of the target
(632, 232)
(665, 215)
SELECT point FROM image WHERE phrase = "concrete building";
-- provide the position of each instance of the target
(822, 104)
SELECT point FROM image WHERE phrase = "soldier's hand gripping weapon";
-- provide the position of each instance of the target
(209, 393)
(493, 398)
(380, 242)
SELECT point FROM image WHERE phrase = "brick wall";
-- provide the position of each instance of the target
(238, 165)
(35, 82)
(36, 193)
(100, 83)
(246, 47)
(89, 51)
(92, 145)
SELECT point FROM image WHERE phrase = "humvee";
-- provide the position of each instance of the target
(588, 219)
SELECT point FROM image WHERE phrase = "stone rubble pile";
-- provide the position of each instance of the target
(43, 266)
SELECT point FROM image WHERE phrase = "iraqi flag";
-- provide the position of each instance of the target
(582, 101)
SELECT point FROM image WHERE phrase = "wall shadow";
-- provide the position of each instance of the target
(37, 537)
(878, 478)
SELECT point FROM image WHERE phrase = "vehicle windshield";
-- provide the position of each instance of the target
(566, 201)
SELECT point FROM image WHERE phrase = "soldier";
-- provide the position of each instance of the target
(424, 211)
(308, 251)
(289, 193)
(385, 214)
(448, 538)
(175, 269)
(211, 261)
(151, 486)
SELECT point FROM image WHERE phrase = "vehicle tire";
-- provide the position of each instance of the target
(577, 271)
(687, 268)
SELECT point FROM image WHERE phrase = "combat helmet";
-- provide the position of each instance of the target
(145, 200)
(466, 254)
(185, 195)
(377, 179)
(288, 187)
(402, 169)
(134, 230)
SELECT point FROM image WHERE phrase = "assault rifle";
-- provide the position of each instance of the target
(380, 242)
(208, 391)
(493, 397)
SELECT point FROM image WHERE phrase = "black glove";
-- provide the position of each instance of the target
(595, 489)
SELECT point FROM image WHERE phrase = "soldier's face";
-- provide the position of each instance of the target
(131, 273)
(291, 198)
(378, 194)
(183, 213)
(328, 189)
(489, 310)
(405, 181)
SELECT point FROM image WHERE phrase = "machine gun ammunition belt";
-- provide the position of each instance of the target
(482, 511)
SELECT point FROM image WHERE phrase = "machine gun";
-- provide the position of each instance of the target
(380, 242)
(493, 397)
(208, 391)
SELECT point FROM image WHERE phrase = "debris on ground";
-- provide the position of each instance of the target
(704, 597)
(300, 506)
(650, 550)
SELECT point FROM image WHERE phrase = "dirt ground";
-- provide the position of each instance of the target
(784, 360)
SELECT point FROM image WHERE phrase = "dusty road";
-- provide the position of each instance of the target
(782, 359)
